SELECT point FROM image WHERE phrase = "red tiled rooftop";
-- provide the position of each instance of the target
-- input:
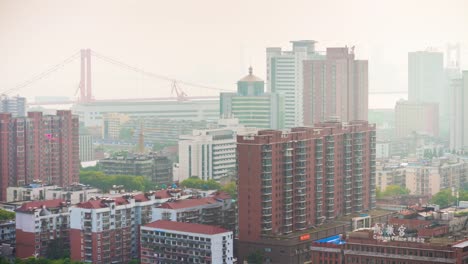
(28, 206)
(222, 195)
(187, 227)
(188, 203)
(99, 203)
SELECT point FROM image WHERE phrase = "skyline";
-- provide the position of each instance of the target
(160, 34)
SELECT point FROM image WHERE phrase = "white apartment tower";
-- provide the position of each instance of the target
(285, 77)
(210, 153)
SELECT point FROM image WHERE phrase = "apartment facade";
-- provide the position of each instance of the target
(41, 225)
(38, 147)
(430, 178)
(112, 124)
(252, 106)
(336, 86)
(210, 153)
(416, 117)
(105, 230)
(14, 105)
(177, 242)
(157, 169)
(86, 148)
(289, 182)
(218, 210)
(390, 174)
(285, 77)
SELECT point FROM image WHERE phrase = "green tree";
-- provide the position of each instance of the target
(6, 215)
(395, 190)
(255, 257)
(443, 198)
(105, 182)
(230, 188)
(197, 183)
(378, 193)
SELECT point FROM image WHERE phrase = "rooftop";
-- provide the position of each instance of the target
(30, 206)
(337, 240)
(251, 77)
(187, 227)
(188, 203)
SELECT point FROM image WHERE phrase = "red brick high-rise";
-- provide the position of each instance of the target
(38, 147)
(336, 86)
(293, 181)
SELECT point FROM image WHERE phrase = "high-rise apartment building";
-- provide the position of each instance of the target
(459, 113)
(38, 147)
(293, 181)
(106, 230)
(336, 86)
(176, 242)
(426, 77)
(416, 117)
(252, 106)
(285, 77)
(14, 105)
(210, 153)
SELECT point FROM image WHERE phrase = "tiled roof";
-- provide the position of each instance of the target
(99, 203)
(188, 203)
(26, 207)
(222, 195)
(187, 227)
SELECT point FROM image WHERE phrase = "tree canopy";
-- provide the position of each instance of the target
(443, 198)
(6, 215)
(197, 183)
(230, 188)
(391, 191)
(105, 182)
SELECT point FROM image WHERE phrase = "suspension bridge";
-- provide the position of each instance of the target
(85, 86)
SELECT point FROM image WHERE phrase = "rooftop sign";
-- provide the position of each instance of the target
(386, 232)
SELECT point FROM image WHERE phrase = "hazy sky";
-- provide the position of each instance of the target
(212, 42)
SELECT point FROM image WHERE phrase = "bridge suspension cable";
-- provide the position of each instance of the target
(150, 74)
(43, 74)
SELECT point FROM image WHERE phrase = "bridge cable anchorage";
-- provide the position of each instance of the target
(153, 75)
(42, 74)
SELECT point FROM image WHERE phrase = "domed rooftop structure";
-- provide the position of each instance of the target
(251, 77)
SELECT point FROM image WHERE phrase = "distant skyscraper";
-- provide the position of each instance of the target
(336, 86)
(426, 77)
(14, 105)
(38, 147)
(459, 113)
(86, 148)
(285, 77)
(416, 117)
(252, 106)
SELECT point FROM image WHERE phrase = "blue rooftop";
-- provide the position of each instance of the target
(34, 185)
(333, 239)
